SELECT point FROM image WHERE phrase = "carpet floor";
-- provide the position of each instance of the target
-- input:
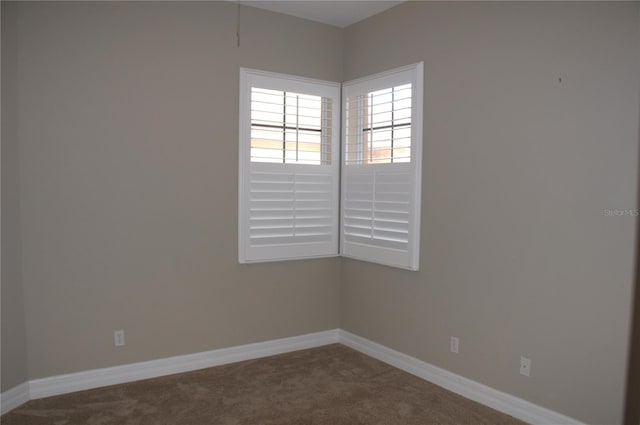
(330, 385)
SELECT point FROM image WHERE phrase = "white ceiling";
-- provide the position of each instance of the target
(337, 13)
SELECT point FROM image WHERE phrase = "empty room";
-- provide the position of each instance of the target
(320, 212)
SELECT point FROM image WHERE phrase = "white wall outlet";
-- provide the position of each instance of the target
(118, 338)
(454, 344)
(525, 366)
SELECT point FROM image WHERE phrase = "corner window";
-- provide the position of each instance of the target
(292, 175)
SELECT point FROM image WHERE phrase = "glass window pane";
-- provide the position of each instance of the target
(378, 126)
(290, 127)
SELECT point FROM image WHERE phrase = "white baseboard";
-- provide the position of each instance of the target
(14, 397)
(498, 400)
(63, 384)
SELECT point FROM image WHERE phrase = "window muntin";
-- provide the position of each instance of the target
(378, 126)
(290, 128)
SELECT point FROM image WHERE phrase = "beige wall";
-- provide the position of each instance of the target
(517, 257)
(14, 356)
(128, 168)
(632, 410)
(126, 207)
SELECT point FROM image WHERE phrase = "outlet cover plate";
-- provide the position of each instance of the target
(118, 338)
(525, 366)
(455, 344)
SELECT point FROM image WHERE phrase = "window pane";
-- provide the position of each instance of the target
(291, 128)
(378, 127)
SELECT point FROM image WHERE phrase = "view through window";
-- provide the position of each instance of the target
(379, 126)
(290, 128)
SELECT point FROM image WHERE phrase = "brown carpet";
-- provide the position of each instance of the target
(330, 385)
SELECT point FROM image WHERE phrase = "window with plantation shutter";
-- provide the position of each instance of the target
(381, 167)
(289, 167)
(297, 164)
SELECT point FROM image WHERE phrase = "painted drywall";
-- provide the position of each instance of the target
(14, 355)
(127, 200)
(632, 396)
(128, 166)
(632, 408)
(530, 134)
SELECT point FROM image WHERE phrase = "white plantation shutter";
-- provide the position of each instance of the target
(381, 167)
(289, 184)
(290, 213)
(376, 213)
(290, 180)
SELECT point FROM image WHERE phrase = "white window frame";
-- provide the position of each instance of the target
(267, 80)
(338, 245)
(373, 250)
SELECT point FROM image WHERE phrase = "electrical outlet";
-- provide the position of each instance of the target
(118, 338)
(525, 366)
(454, 344)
